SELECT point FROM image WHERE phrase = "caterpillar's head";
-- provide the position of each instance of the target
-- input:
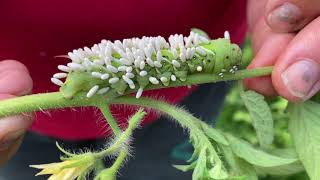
(224, 55)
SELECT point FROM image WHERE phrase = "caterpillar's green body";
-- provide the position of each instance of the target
(170, 63)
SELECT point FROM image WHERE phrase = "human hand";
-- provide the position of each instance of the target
(286, 35)
(14, 81)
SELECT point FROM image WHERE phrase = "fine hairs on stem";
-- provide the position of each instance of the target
(56, 100)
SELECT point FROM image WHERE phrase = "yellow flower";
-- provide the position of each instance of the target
(69, 169)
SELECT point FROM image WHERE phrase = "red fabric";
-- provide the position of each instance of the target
(34, 31)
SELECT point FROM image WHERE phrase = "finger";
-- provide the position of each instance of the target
(296, 75)
(267, 46)
(14, 78)
(256, 10)
(6, 154)
(291, 15)
(12, 130)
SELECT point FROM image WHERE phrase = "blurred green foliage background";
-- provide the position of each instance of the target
(235, 119)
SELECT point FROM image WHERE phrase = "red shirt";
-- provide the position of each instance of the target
(34, 31)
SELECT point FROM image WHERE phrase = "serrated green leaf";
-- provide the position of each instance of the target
(196, 146)
(200, 169)
(185, 168)
(217, 172)
(261, 117)
(256, 156)
(284, 170)
(200, 32)
(304, 127)
(247, 170)
(239, 169)
(214, 134)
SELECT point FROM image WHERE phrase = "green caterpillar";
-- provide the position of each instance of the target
(135, 63)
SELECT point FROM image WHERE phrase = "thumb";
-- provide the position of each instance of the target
(14, 80)
(297, 71)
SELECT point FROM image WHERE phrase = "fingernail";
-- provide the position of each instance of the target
(285, 16)
(9, 139)
(302, 78)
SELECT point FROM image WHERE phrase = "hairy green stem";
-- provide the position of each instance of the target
(185, 119)
(55, 100)
(104, 107)
(118, 162)
(123, 137)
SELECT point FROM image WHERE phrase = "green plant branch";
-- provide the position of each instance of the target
(123, 137)
(118, 162)
(185, 119)
(56, 100)
(104, 107)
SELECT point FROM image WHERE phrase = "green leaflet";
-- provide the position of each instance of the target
(239, 169)
(214, 134)
(304, 128)
(284, 170)
(200, 168)
(185, 168)
(255, 156)
(261, 117)
(218, 173)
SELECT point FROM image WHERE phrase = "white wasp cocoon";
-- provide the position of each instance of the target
(143, 73)
(96, 75)
(130, 75)
(176, 63)
(113, 80)
(92, 91)
(226, 35)
(129, 69)
(132, 86)
(173, 78)
(199, 68)
(150, 62)
(105, 76)
(76, 66)
(60, 75)
(103, 90)
(139, 93)
(112, 69)
(153, 80)
(142, 65)
(159, 56)
(64, 68)
(201, 51)
(126, 79)
(164, 79)
(122, 68)
(157, 64)
(56, 81)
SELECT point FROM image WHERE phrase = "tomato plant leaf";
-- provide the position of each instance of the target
(256, 156)
(214, 134)
(261, 116)
(304, 128)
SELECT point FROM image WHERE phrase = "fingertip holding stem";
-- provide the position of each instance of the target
(285, 18)
(302, 79)
(12, 129)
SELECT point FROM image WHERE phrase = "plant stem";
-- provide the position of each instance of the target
(118, 162)
(56, 100)
(104, 107)
(122, 138)
(185, 119)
